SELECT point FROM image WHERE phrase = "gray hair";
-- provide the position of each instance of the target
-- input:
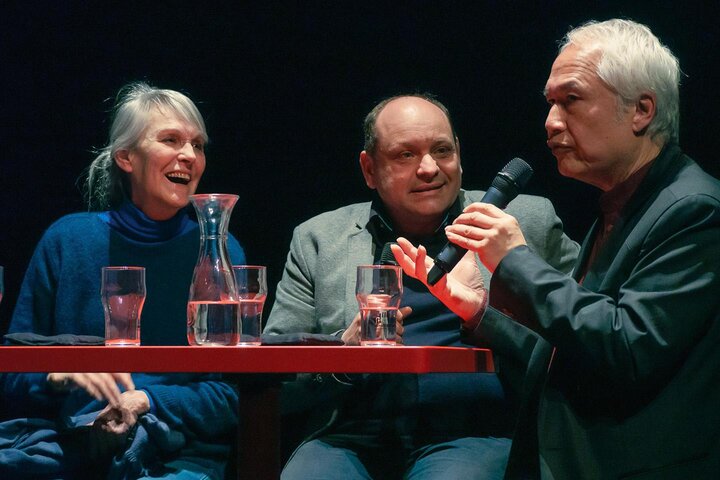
(106, 185)
(371, 118)
(634, 61)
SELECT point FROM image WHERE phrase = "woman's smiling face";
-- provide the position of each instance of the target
(165, 166)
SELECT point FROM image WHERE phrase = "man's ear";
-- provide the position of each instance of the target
(644, 113)
(122, 159)
(368, 169)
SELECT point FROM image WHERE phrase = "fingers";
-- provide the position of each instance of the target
(399, 251)
(476, 219)
(124, 379)
(405, 254)
(137, 402)
(420, 267)
(414, 261)
(468, 238)
(485, 208)
(106, 415)
(399, 319)
(470, 230)
(113, 420)
(351, 336)
(104, 441)
(119, 419)
(402, 313)
(100, 386)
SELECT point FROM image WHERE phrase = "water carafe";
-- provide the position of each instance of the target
(213, 304)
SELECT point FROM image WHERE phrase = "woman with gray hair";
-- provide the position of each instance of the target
(137, 191)
(107, 182)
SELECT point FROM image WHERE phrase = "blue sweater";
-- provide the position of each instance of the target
(60, 294)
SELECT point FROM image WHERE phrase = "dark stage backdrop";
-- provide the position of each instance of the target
(284, 87)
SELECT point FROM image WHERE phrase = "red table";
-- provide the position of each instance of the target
(259, 415)
(264, 359)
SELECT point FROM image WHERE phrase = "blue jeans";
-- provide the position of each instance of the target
(463, 458)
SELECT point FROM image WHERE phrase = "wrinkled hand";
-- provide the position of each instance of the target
(119, 419)
(462, 290)
(351, 336)
(101, 386)
(487, 230)
(113, 424)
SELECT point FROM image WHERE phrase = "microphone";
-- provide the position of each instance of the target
(387, 257)
(505, 187)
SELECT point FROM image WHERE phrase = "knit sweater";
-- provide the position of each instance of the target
(60, 294)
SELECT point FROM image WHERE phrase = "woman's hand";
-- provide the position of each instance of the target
(119, 419)
(101, 386)
(351, 336)
(113, 424)
(462, 290)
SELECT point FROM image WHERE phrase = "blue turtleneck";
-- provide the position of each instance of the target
(131, 222)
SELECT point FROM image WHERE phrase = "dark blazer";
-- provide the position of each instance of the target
(634, 386)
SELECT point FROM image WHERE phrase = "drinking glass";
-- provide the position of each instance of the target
(378, 291)
(251, 282)
(123, 295)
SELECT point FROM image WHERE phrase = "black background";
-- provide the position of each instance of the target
(284, 87)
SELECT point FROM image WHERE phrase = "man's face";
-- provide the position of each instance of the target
(590, 135)
(416, 164)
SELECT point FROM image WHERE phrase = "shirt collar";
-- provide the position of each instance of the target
(381, 228)
(613, 201)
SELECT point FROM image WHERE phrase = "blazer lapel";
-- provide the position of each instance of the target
(666, 166)
(359, 252)
(583, 256)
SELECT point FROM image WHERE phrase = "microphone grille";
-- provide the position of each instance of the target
(387, 257)
(518, 171)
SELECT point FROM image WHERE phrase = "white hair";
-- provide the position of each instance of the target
(106, 185)
(634, 61)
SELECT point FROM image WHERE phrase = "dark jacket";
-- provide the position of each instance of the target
(634, 386)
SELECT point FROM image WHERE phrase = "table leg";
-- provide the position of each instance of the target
(258, 436)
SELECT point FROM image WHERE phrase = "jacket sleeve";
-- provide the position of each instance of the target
(629, 338)
(202, 407)
(514, 344)
(25, 394)
(294, 308)
(545, 236)
(295, 311)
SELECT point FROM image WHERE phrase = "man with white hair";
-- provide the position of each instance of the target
(633, 389)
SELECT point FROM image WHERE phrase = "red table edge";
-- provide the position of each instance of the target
(261, 359)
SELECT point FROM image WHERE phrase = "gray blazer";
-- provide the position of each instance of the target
(317, 290)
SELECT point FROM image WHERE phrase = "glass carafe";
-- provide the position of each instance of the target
(213, 305)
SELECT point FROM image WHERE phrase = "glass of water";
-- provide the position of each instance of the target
(122, 293)
(378, 291)
(251, 282)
